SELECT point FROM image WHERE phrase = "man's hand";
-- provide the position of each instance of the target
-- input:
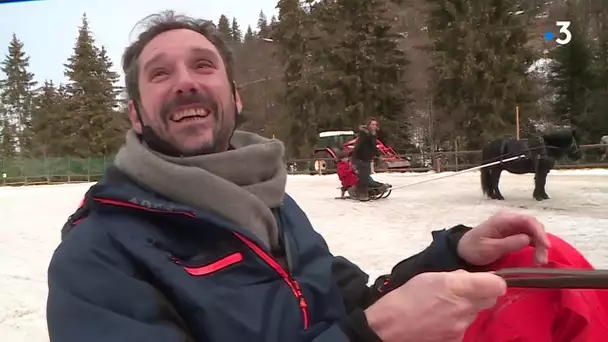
(502, 234)
(434, 307)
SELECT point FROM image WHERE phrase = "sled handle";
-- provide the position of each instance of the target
(554, 278)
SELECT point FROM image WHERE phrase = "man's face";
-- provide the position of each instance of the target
(373, 126)
(186, 97)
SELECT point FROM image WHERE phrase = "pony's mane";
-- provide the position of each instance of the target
(561, 138)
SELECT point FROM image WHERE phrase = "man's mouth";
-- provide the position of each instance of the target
(190, 114)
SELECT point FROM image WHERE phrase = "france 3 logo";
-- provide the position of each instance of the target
(564, 37)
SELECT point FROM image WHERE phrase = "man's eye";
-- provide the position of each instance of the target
(204, 64)
(159, 73)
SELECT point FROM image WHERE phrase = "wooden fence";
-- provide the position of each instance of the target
(34, 171)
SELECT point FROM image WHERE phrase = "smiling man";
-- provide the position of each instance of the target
(187, 108)
(190, 235)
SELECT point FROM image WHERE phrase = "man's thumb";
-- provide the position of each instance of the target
(512, 243)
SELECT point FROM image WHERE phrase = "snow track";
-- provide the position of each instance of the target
(375, 235)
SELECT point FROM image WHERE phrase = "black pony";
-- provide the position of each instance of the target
(541, 153)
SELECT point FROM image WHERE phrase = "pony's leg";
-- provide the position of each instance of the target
(540, 180)
(495, 176)
(543, 182)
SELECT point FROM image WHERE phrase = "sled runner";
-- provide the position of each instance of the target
(383, 190)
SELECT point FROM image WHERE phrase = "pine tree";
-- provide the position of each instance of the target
(297, 98)
(116, 123)
(237, 34)
(249, 36)
(91, 96)
(263, 25)
(372, 68)
(7, 135)
(572, 75)
(223, 26)
(16, 92)
(597, 125)
(480, 60)
(48, 119)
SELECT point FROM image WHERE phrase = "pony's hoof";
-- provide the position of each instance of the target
(545, 196)
(538, 198)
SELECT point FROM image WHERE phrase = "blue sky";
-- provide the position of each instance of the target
(49, 28)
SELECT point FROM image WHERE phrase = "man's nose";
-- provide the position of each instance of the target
(185, 82)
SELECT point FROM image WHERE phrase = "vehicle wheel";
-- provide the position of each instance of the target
(324, 163)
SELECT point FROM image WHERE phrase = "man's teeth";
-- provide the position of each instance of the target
(189, 113)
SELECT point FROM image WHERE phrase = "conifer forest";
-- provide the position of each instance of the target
(434, 73)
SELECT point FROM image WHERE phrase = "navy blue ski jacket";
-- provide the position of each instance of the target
(133, 266)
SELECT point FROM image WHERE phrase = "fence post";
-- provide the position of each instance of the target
(22, 172)
(47, 169)
(88, 169)
(438, 164)
(517, 121)
(69, 169)
(456, 154)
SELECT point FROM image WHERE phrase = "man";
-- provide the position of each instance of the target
(190, 236)
(363, 156)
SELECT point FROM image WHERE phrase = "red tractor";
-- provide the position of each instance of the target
(330, 142)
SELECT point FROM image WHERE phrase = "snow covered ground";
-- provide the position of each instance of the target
(375, 235)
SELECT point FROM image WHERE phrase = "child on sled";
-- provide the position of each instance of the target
(348, 176)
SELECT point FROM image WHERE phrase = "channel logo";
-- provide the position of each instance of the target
(564, 36)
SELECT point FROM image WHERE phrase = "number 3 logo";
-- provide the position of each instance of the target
(563, 29)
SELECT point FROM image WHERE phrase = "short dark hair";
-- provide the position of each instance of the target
(158, 23)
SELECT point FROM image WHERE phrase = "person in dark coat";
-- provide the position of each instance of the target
(363, 156)
(191, 237)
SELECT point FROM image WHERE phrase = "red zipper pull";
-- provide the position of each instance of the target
(298, 288)
(302, 301)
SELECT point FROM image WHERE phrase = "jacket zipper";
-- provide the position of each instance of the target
(293, 284)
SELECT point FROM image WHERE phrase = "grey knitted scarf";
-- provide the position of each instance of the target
(240, 185)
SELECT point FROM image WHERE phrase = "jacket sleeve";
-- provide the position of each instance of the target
(440, 256)
(97, 295)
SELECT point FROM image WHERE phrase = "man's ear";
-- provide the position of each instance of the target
(134, 117)
(237, 99)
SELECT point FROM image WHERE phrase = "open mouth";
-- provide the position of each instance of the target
(190, 114)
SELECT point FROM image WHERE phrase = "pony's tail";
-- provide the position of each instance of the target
(486, 184)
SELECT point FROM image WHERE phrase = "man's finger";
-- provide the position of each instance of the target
(479, 285)
(485, 303)
(530, 226)
(512, 243)
(538, 233)
(541, 255)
